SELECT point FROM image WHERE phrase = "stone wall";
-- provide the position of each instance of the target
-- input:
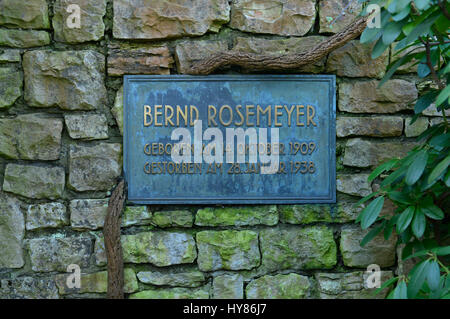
(61, 153)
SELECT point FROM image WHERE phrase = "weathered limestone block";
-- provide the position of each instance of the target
(228, 249)
(364, 153)
(71, 80)
(88, 213)
(307, 214)
(31, 137)
(91, 28)
(291, 286)
(378, 251)
(281, 17)
(23, 38)
(28, 288)
(87, 126)
(189, 52)
(354, 184)
(364, 96)
(158, 248)
(94, 167)
(436, 120)
(417, 128)
(297, 248)
(278, 47)
(433, 111)
(96, 282)
(48, 215)
(354, 60)
(12, 231)
(10, 55)
(173, 293)
(56, 253)
(173, 218)
(142, 59)
(136, 215)
(335, 15)
(10, 86)
(117, 109)
(34, 181)
(228, 287)
(376, 126)
(150, 19)
(349, 285)
(347, 211)
(189, 279)
(33, 14)
(237, 216)
(100, 251)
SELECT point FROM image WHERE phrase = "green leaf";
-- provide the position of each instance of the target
(421, 4)
(442, 140)
(418, 223)
(418, 276)
(419, 253)
(400, 197)
(401, 291)
(372, 234)
(439, 169)
(394, 176)
(379, 48)
(423, 70)
(391, 32)
(402, 14)
(419, 30)
(405, 219)
(432, 131)
(415, 170)
(390, 227)
(371, 212)
(407, 251)
(385, 285)
(364, 199)
(442, 24)
(392, 7)
(446, 69)
(425, 101)
(382, 168)
(433, 275)
(447, 178)
(441, 251)
(401, 4)
(433, 212)
(443, 96)
(370, 34)
(393, 67)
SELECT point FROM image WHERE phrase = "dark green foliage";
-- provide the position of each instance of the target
(418, 184)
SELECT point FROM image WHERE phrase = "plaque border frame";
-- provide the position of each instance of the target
(328, 78)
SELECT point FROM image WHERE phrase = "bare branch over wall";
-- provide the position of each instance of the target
(282, 62)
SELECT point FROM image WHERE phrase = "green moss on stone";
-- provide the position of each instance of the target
(227, 249)
(293, 248)
(291, 286)
(174, 218)
(136, 215)
(237, 216)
